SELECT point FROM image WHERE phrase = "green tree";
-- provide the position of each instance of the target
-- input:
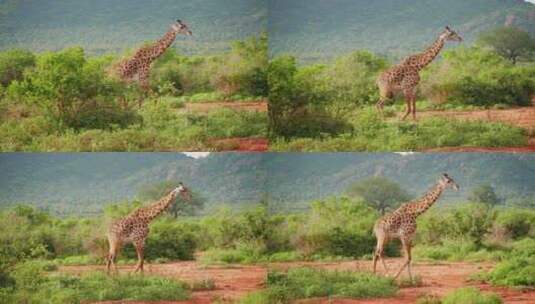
(484, 194)
(13, 63)
(510, 42)
(379, 192)
(155, 191)
(72, 90)
(281, 74)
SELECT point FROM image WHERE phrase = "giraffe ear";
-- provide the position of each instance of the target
(445, 175)
(448, 28)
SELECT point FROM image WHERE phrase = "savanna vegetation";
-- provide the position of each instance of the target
(67, 100)
(330, 106)
(34, 243)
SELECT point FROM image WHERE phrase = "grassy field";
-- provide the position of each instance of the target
(495, 243)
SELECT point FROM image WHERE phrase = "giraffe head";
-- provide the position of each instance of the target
(451, 35)
(183, 191)
(181, 28)
(446, 181)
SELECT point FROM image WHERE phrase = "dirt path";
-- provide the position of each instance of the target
(242, 144)
(235, 281)
(204, 107)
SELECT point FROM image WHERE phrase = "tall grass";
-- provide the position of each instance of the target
(371, 133)
(32, 285)
(301, 283)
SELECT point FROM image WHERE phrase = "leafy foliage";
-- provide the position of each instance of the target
(380, 192)
(471, 295)
(32, 286)
(13, 63)
(300, 283)
(510, 42)
(479, 77)
(484, 194)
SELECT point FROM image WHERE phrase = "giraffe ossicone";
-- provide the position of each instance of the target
(401, 223)
(134, 227)
(140, 63)
(405, 76)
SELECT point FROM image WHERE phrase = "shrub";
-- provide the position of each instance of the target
(471, 295)
(370, 133)
(515, 223)
(99, 287)
(72, 90)
(13, 64)
(475, 76)
(330, 229)
(518, 269)
(299, 283)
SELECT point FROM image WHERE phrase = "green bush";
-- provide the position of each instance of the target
(516, 223)
(32, 286)
(471, 295)
(479, 77)
(371, 133)
(13, 64)
(519, 268)
(330, 229)
(169, 239)
(299, 283)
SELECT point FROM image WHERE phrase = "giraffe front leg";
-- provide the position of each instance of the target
(409, 97)
(140, 257)
(144, 84)
(406, 244)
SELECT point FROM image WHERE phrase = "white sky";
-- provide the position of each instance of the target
(532, 1)
(199, 154)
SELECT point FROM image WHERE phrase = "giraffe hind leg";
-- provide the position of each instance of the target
(410, 100)
(112, 255)
(379, 253)
(384, 95)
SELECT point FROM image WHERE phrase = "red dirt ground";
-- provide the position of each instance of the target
(234, 281)
(204, 107)
(243, 144)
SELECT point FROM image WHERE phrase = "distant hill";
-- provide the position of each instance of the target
(318, 29)
(306, 176)
(111, 26)
(82, 183)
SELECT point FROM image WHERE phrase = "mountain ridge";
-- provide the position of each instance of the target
(83, 183)
(318, 30)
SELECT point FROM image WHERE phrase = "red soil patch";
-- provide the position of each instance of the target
(245, 144)
(204, 107)
(235, 281)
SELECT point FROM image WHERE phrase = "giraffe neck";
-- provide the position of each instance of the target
(163, 44)
(421, 205)
(159, 207)
(427, 56)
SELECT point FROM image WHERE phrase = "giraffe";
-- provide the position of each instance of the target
(140, 63)
(405, 76)
(402, 223)
(135, 226)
